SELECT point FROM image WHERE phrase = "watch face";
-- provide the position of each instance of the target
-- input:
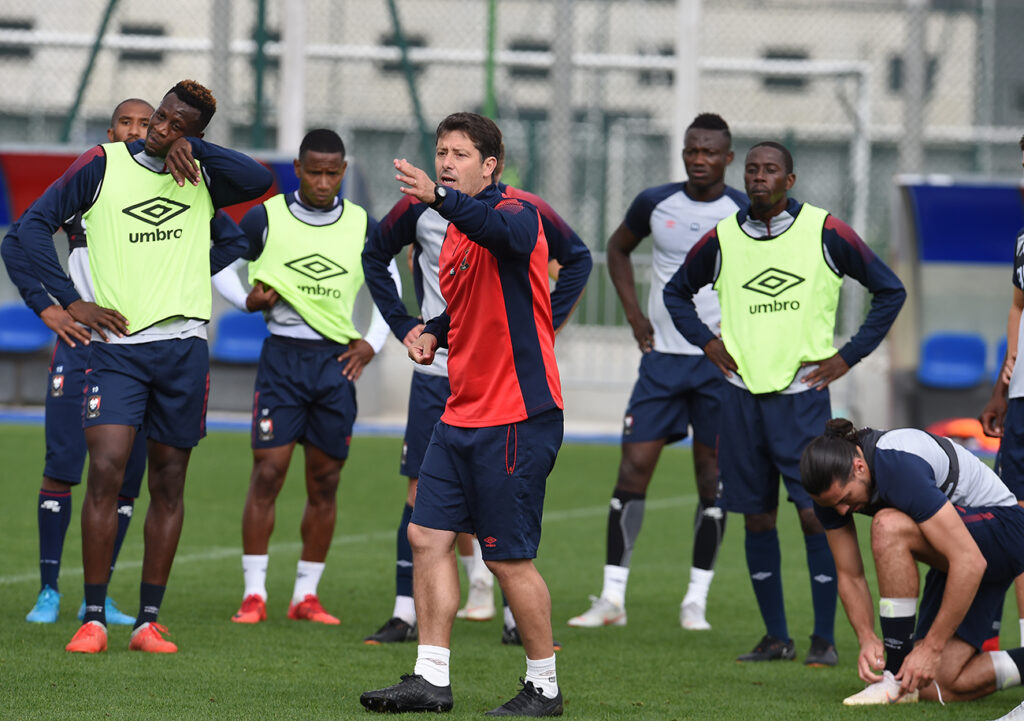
(441, 191)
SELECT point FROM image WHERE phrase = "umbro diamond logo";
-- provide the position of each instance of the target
(155, 211)
(773, 282)
(316, 267)
(822, 578)
(761, 575)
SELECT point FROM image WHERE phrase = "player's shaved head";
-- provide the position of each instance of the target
(120, 107)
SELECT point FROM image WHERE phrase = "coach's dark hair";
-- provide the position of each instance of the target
(321, 140)
(197, 96)
(711, 121)
(786, 155)
(485, 135)
(829, 456)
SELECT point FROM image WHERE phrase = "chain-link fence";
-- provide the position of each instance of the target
(583, 89)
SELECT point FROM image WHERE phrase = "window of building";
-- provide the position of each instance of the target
(897, 76)
(660, 78)
(15, 51)
(142, 56)
(411, 41)
(529, 45)
(785, 82)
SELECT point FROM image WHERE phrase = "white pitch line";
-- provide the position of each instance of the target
(215, 554)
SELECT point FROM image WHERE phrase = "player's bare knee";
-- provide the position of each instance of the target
(890, 529)
(759, 522)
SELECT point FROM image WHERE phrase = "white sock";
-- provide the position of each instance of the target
(542, 674)
(405, 609)
(307, 578)
(897, 607)
(1007, 673)
(1021, 622)
(467, 565)
(615, 579)
(254, 571)
(432, 664)
(510, 620)
(700, 584)
(480, 573)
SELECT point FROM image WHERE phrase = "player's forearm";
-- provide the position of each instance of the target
(569, 287)
(856, 598)
(620, 270)
(20, 273)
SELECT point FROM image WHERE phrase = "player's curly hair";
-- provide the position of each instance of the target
(829, 456)
(711, 121)
(197, 96)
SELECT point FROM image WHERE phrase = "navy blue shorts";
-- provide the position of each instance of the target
(1010, 461)
(65, 440)
(673, 392)
(162, 386)
(999, 533)
(762, 437)
(490, 481)
(427, 396)
(302, 395)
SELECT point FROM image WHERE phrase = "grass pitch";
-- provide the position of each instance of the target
(281, 669)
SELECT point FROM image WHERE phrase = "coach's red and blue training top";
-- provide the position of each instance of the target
(497, 326)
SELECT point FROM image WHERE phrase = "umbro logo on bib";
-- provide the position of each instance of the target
(155, 211)
(316, 267)
(773, 282)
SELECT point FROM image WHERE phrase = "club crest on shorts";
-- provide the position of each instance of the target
(265, 427)
(57, 385)
(92, 407)
(627, 425)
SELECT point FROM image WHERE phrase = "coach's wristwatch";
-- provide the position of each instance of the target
(440, 193)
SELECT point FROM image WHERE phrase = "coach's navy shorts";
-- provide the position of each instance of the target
(161, 385)
(1010, 461)
(673, 392)
(999, 533)
(490, 481)
(65, 439)
(762, 436)
(427, 396)
(302, 395)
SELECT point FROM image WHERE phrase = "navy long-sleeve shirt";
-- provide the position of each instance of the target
(842, 248)
(230, 176)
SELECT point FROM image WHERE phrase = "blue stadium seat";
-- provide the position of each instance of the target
(1000, 355)
(21, 331)
(239, 337)
(953, 360)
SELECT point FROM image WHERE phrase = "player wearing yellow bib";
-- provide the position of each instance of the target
(305, 250)
(147, 207)
(777, 270)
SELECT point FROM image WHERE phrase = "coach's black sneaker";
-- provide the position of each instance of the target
(530, 701)
(770, 648)
(822, 653)
(394, 631)
(412, 693)
(511, 637)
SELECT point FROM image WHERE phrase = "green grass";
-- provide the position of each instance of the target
(650, 669)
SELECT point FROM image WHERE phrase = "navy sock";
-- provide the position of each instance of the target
(625, 516)
(95, 603)
(150, 598)
(708, 530)
(898, 639)
(54, 515)
(403, 553)
(1017, 656)
(125, 506)
(764, 561)
(824, 589)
